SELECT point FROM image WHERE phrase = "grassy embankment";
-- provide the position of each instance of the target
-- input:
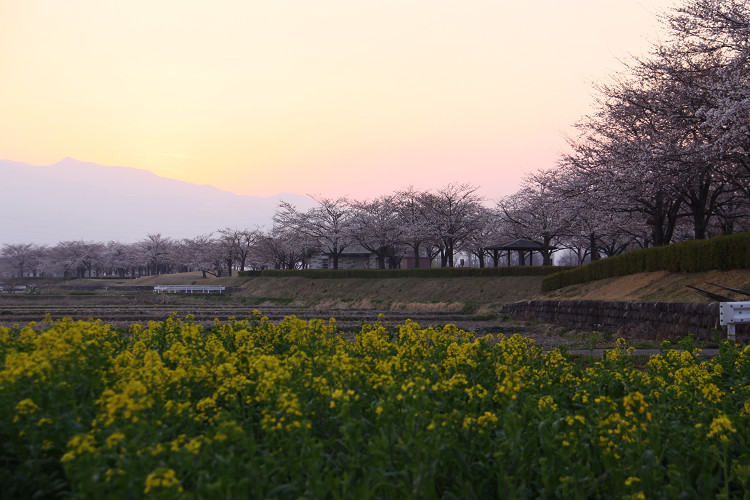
(455, 294)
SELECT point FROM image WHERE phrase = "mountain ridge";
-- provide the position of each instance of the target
(75, 200)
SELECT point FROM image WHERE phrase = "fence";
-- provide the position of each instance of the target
(189, 289)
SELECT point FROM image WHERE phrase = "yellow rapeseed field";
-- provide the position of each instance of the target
(253, 409)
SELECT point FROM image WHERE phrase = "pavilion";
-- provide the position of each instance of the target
(521, 246)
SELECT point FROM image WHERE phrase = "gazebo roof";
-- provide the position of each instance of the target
(520, 244)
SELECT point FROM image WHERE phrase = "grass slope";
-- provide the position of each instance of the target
(457, 293)
(658, 286)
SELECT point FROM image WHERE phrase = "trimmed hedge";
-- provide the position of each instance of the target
(249, 274)
(427, 272)
(722, 253)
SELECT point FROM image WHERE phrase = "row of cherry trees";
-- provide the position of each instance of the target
(423, 224)
(155, 254)
(668, 145)
(434, 224)
(664, 157)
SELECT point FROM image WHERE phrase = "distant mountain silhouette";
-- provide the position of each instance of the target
(73, 200)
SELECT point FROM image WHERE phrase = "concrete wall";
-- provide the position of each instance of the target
(654, 320)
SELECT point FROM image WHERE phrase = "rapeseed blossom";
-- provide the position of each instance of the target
(162, 479)
(249, 408)
(721, 427)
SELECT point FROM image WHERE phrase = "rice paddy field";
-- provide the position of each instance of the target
(253, 408)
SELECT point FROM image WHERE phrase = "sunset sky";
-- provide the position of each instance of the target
(331, 97)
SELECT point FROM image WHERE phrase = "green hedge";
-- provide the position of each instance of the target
(249, 274)
(722, 253)
(431, 272)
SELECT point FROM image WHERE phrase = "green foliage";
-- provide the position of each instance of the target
(425, 272)
(252, 409)
(722, 253)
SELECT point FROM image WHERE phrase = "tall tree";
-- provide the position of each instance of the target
(453, 214)
(22, 259)
(237, 244)
(156, 251)
(413, 221)
(329, 224)
(536, 213)
(206, 254)
(486, 234)
(376, 227)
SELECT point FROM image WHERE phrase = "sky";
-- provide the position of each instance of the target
(327, 97)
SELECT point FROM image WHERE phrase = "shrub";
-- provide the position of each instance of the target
(430, 272)
(723, 253)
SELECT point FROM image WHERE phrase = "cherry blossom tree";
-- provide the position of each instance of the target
(669, 138)
(714, 35)
(487, 233)
(453, 214)
(119, 258)
(413, 222)
(376, 227)
(155, 251)
(329, 224)
(204, 253)
(537, 213)
(21, 259)
(236, 245)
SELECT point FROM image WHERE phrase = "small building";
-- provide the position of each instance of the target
(354, 257)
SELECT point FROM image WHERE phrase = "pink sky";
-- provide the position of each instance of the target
(356, 97)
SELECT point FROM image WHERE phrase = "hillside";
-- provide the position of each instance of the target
(484, 293)
(659, 286)
(405, 293)
(74, 200)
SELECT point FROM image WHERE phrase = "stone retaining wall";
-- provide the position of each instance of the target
(654, 320)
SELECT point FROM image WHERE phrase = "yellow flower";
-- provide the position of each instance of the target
(571, 420)
(26, 407)
(720, 426)
(78, 445)
(468, 422)
(547, 402)
(114, 439)
(487, 419)
(162, 479)
(712, 393)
